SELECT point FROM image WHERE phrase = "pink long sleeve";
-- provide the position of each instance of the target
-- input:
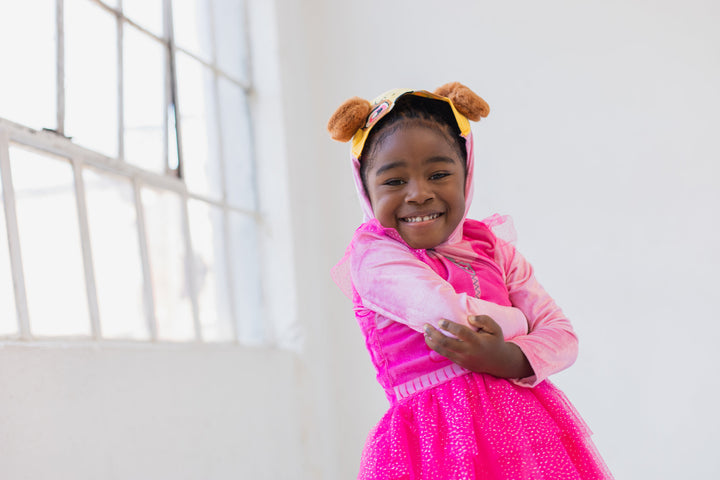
(551, 344)
(394, 283)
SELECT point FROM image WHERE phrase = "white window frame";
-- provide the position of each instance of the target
(55, 143)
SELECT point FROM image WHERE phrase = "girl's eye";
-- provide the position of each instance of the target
(394, 182)
(439, 175)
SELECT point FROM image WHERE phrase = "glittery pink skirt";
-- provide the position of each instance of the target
(478, 426)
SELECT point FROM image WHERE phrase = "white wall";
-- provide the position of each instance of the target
(601, 143)
(149, 412)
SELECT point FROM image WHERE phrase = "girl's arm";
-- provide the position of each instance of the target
(480, 348)
(551, 344)
(549, 347)
(394, 283)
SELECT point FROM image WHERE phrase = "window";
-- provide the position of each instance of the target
(128, 202)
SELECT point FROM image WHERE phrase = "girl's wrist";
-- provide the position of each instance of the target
(515, 363)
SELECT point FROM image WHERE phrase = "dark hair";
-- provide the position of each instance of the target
(414, 110)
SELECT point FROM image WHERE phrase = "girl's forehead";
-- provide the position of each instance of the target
(415, 141)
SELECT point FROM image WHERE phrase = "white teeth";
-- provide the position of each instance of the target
(421, 219)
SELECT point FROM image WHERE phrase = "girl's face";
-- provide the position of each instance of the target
(416, 184)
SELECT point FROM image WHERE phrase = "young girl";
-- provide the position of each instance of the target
(473, 404)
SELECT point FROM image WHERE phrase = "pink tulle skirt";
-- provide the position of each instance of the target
(481, 427)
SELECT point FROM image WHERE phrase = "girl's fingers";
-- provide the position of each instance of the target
(442, 344)
(460, 331)
(483, 322)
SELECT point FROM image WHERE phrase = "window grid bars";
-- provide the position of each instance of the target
(216, 105)
(190, 269)
(248, 57)
(230, 282)
(148, 299)
(60, 65)
(185, 220)
(120, 85)
(52, 144)
(172, 84)
(56, 145)
(80, 157)
(88, 265)
(21, 306)
(168, 101)
(244, 84)
(122, 20)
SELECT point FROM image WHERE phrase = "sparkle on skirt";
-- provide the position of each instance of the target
(477, 426)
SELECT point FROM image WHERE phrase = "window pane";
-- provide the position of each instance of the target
(50, 244)
(168, 264)
(91, 76)
(8, 315)
(246, 277)
(144, 98)
(237, 146)
(28, 82)
(206, 227)
(147, 13)
(116, 256)
(192, 27)
(230, 38)
(198, 127)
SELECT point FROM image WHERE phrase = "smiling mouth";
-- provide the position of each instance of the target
(425, 218)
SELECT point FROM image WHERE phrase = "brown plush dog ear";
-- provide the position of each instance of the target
(465, 100)
(348, 119)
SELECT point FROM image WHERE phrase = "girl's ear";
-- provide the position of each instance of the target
(348, 119)
(465, 100)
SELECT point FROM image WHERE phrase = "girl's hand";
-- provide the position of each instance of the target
(482, 350)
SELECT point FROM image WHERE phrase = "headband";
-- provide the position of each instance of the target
(383, 104)
(355, 118)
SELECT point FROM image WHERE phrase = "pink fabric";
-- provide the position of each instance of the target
(436, 377)
(414, 286)
(482, 428)
(550, 344)
(400, 283)
(445, 422)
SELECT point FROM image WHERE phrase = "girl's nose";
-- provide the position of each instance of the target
(418, 192)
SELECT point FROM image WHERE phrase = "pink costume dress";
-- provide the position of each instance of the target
(445, 422)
